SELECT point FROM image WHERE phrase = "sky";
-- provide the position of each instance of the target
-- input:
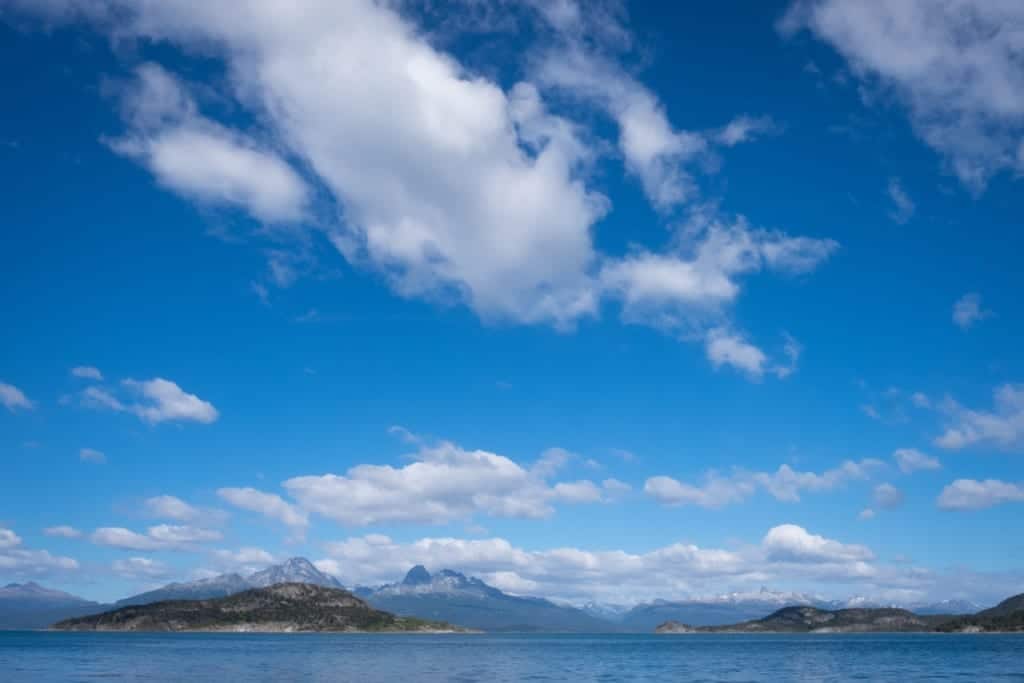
(611, 302)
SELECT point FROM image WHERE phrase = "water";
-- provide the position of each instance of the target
(225, 658)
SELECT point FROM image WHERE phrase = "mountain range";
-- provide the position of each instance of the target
(453, 597)
(30, 606)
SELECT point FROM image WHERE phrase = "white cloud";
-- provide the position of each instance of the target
(920, 400)
(9, 539)
(970, 494)
(1002, 427)
(744, 129)
(161, 401)
(170, 507)
(92, 455)
(785, 484)
(141, 568)
(471, 191)
(268, 504)
(199, 158)
(866, 513)
(724, 347)
(887, 496)
(911, 460)
(159, 537)
(790, 542)
(968, 310)
(12, 398)
(716, 491)
(87, 372)
(166, 401)
(62, 531)
(243, 559)
(444, 483)
(18, 561)
(954, 65)
(903, 206)
(678, 570)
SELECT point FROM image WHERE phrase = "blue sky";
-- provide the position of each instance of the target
(613, 304)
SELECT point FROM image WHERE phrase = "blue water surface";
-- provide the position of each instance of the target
(42, 657)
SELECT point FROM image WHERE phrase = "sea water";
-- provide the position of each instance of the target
(42, 657)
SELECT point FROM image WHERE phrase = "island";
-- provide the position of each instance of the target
(280, 608)
(1007, 616)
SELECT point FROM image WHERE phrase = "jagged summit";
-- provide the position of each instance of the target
(294, 570)
(417, 576)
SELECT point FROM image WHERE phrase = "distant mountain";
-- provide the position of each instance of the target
(1006, 616)
(458, 599)
(727, 608)
(945, 607)
(814, 620)
(283, 607)
(295, 570)
(31, 606)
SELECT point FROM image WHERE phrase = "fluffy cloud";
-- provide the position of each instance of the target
(87, 372)
(13, 398)
(911, 460)
(790, 542)
(141, 568)
(954, 65)
(444, 483)
(785, 484)
(62, 531)
(471, 191)
(903, 206)
(887, 496)
(92, 455)
(967, 311)
(674, 571)
(1002, 427)
(199, 158)
(161, 400)
(268, 504)
(16, 560)
(970, 494)
(173, 508)
(728, 348)
(159, 537)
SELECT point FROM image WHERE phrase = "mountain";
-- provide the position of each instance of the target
(814, 620)
(284, 607)
(295, 570)
(455, 598)
(1006, 616)
(945, 607)
(31, 606)
(727, 608)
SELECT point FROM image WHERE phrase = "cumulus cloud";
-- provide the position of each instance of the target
(201, 159)
(443, 483)
(87, 372)
(13, 398)
(790, 542)
(92, 455)
(245, 560)
(954, 66)
(159, 537)
(159, 400)
(174, 508)
(912, 460)
(141, 568)
(269, 505)
(62, 531)
(673, 571)
(970, 494)
(887, 496)
(472, 191)
(968, 310)
(16, 560)
(1001, 427)
(729, 348)
(785, 484)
